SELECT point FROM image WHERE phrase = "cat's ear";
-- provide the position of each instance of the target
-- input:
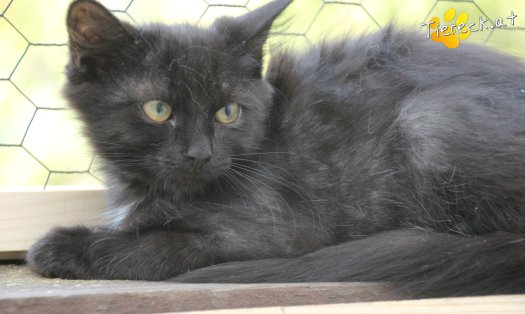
(248, 33)
(94, 33)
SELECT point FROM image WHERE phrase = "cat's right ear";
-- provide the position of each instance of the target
(94, 34)
(247, 34)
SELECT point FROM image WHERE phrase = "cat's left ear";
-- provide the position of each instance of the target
(95, 34)
(248, 33)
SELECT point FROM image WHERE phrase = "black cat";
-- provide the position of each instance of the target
(382, 158)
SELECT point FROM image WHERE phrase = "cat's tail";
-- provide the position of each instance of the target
(420, 263)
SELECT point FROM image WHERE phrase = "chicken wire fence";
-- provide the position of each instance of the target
(41, 142)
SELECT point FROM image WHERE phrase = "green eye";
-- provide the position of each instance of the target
(157, 110)
(228, 114)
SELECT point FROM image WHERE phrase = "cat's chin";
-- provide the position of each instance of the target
(184, 184)
(179, 184)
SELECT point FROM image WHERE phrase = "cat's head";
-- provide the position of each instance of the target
(169, 105)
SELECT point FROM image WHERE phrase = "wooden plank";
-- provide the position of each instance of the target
(27, 215)
(490, 304)
(12, 255)
(21, 291)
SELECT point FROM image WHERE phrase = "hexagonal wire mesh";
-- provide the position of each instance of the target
(41, 143)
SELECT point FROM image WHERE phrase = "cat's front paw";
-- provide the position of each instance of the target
(62, 253)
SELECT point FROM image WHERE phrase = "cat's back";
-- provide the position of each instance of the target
(392, 58)
(392, 113)
(364, 85)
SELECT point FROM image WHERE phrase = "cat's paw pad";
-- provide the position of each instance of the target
(61, 253)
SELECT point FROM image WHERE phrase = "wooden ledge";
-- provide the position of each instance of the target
(21, 291)
(475, 305)
(26, 215)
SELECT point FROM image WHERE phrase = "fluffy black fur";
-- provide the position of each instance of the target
(382, 158)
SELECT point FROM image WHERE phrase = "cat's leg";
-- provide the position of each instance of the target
(79, 252)
(157, 254)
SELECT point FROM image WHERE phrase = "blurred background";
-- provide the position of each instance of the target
(41, 141)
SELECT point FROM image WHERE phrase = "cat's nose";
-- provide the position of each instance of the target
(199, 155)
(198, 160)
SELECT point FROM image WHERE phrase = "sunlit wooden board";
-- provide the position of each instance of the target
(476, 305)
(27, 215)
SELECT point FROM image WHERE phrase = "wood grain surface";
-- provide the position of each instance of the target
(472, 305)
(27, 215)
(21, 291)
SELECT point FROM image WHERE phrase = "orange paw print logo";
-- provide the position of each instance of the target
(451, 35)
